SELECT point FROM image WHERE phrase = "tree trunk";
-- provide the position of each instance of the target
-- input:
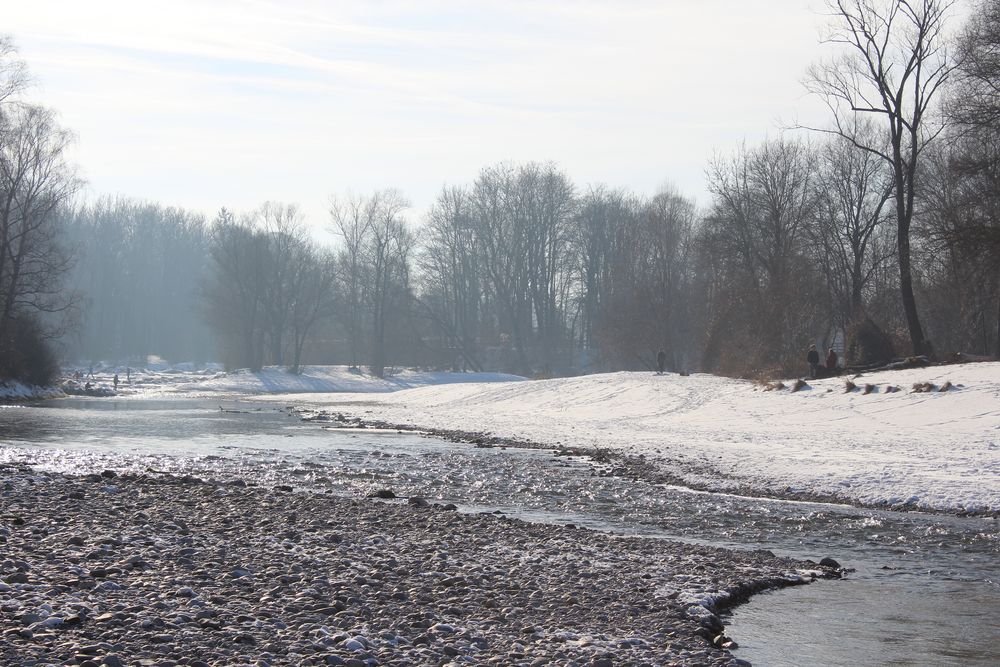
(996, 351)
(906, 290)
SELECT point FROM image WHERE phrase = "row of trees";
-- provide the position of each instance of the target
(139, 270)
(801, 242)
(268, 286)
(879, 234)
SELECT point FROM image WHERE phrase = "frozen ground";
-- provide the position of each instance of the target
(936, 450)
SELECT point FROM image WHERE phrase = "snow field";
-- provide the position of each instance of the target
(924, 450)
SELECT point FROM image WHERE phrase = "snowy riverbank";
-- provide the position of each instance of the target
(163, 379)
(15, 391)
(935, 450)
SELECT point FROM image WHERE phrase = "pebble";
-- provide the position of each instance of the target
(178, 574)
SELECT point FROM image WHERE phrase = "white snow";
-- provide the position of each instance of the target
(16, 391)
(160, 378)
(276, 380)
(925, 450)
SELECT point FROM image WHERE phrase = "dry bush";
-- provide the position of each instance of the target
(849, 386)
(869, 388)
(922, 387)
(799, 384)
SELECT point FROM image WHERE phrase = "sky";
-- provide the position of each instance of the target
(233, 103)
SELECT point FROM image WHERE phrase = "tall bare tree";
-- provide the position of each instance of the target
(893, 63)
(852, 213)
(36, 180)
(452, 292)
(374, 267)
(764, 199)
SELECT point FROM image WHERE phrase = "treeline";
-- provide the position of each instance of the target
(878, 235)
(35, 181)
(140, 269)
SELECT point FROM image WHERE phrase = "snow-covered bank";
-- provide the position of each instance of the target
(935, 450)
(322, 379)
(15, 391)
(161, 378)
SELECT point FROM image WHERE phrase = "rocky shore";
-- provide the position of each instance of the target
(135, 570)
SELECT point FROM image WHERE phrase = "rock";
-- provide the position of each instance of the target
(417, 501)
(108, 474)
(384, 494)
(829, 562)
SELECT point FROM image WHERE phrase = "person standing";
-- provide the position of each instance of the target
(831, 361)
(661, 362)
(813, 358)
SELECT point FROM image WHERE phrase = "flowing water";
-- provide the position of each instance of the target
(925, 591)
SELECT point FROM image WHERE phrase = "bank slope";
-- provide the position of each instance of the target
(929, 450)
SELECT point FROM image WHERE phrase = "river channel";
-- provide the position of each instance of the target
(925, 588)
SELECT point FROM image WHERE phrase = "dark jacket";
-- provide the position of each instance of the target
(831, 360)
(813, 357)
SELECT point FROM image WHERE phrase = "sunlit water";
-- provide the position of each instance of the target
(926, 589)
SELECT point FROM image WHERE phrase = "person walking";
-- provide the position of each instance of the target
(813, 358)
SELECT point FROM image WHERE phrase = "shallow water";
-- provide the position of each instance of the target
(926, 588)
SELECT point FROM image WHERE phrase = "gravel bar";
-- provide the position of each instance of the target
(139, 570)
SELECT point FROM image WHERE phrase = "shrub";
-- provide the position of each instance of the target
(867, 344)
(26, 355)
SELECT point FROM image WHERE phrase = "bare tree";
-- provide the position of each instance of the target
(974, 102)
(852, 214)
(603, 217)
(281, 228)
(374, 267)
(233, 294)
(764, 199)
(452, 293)
(36, 181)
(387, 255)
(14, 77)
(312, 296)
(893, 65)
(352, 220)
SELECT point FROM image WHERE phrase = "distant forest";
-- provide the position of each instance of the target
(877, 234)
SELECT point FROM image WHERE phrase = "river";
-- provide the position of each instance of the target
(925, 588)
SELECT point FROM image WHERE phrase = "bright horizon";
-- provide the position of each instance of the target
(236, 103)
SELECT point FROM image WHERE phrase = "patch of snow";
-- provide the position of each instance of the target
(934, 450)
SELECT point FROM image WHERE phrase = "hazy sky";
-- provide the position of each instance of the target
(209, 104)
